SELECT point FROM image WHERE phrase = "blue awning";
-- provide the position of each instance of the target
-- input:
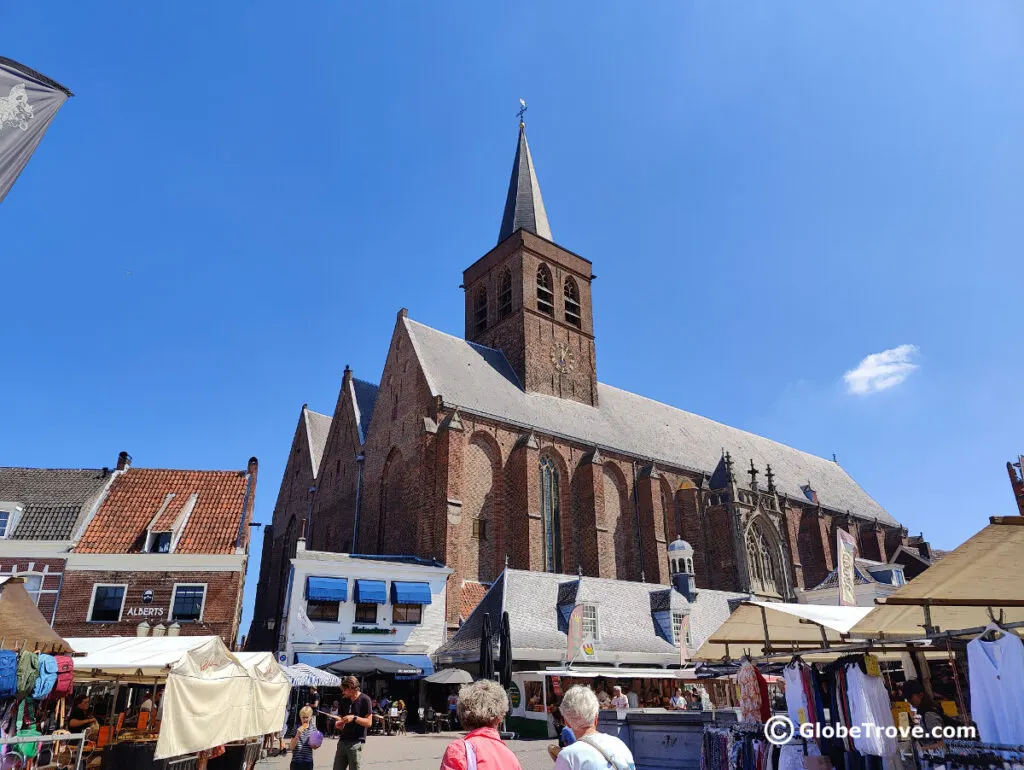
(410, 593)
(327, 589)
(371, 592)
(319, 659)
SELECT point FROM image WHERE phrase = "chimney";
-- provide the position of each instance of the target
(124, 461)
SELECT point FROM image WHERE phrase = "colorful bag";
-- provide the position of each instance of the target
(28, 672)
(27, 750)
(47, 677)
(65, 683)
(8, 673)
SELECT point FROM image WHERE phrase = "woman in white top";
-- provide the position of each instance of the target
(678, 702)
(592, 750)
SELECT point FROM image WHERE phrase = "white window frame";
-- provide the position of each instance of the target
(42, 581)
(337, 616)
(151, 537)
(676, 627)
(174, 594)
(92, 601)
(596, 636)
(13, 511)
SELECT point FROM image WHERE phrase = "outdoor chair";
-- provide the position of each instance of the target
(398, 725)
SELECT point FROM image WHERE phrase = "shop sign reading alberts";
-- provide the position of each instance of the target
(146, 612)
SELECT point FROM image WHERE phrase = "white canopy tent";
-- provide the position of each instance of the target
(957, 592)
(211, 696)
(787, 627)
(304, 675)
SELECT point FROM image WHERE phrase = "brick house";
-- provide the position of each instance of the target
(502, 447)
(162, 547)
(42, 512)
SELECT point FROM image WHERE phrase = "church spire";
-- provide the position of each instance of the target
(524, 208)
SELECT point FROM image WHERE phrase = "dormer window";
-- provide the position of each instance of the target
(5, 523)
(677, 629)
(590, 627)
(158, 542)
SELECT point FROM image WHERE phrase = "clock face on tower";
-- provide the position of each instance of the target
(563, 358)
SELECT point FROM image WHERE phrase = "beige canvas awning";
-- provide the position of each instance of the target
(21, 623)
(789, 627)
(985, 572)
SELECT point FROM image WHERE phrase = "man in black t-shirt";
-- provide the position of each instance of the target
(356, 716)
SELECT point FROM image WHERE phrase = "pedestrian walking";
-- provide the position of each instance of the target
(302, 752)
(356, 710)
(592, 750)
(482, 706)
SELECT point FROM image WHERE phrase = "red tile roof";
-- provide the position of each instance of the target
(470, 596)
(136, 495)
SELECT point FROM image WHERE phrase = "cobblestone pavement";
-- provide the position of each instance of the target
(413, 752)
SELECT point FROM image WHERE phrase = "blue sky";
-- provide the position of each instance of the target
(241, 196)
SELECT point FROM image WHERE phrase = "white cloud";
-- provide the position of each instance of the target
(881, 371)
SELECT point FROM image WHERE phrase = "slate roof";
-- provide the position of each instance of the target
(524, 207)
(317, 427)
(364, 396)
(119, 525)
(625, 619)
(55, 499)
(860, 577)
(480, 380)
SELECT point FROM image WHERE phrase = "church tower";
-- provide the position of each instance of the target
(530, 298)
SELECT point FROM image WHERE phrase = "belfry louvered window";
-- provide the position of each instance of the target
(505, 294)
(545, 297)
(480, 309)
(572, 303)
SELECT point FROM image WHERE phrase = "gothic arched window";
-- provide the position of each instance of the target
(480, 309)
(505, 294)
(572, 303)
(764, 573)
(545, 298)
(550, 515)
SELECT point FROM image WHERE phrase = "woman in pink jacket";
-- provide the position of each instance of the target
(482, 706)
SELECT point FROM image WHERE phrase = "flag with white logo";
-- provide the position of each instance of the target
(305, 623)
(28, 102)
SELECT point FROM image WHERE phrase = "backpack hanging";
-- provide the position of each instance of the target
(8, 673)
(47, 677)
(28, 672)
(65, 683)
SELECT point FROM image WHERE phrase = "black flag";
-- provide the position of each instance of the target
(28, 102)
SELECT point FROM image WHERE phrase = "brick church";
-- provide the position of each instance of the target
(501, 446)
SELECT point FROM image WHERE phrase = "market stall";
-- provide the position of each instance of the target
(35, 682)
(535, 694)
(212, 697)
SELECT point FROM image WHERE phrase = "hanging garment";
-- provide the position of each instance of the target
(765, 712)
(796, 696)
(28, 672)
(8, 673)
(869, 709)
(47, 676)
(65, 677)
(750, 692)
(996, 674)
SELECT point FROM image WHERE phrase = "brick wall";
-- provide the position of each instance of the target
(220, 610)
(335, 502)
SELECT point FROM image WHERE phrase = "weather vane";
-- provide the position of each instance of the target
(522, 110)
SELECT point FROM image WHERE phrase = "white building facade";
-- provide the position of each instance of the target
(339, 605)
